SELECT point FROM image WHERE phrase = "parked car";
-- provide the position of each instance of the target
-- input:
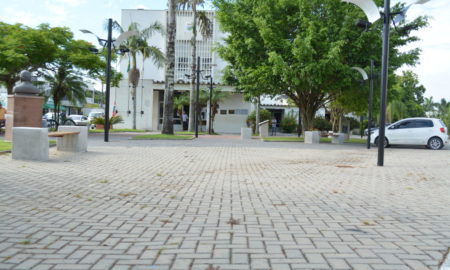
(95, 114)
(430, 132)
(372, 130)
(80, 120)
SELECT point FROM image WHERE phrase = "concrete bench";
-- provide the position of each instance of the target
(71, 138)
(246, 133)
(336, 138)
(30, 143)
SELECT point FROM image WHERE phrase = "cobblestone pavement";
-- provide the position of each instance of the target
(225, 203)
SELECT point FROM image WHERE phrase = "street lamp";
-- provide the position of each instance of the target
(372, 13)
(365, 77)
(197, 107)
(109, 43)
(210, 101)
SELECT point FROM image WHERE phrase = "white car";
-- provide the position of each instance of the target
(430, 132)
(80, 120)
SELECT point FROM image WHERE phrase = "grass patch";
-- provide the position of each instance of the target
(193, 133)
(162, 137)
(301, 139)
(283, 139)
(116, 130)
(356, 140)
(6, 146)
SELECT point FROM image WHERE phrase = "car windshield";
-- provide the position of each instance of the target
(75, 117)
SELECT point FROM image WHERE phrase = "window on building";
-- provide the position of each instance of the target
(223, 111)
(231, 111)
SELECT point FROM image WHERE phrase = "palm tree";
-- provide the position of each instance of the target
(138, 45)
(217, 97)
(429, 106)
(396, 110)
(442, 107)
(66, 83)
(170, 69)
(205, 24)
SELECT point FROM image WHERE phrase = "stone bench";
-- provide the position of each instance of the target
(246, 133)
(32, 143)
(71, 138)
(336, 138)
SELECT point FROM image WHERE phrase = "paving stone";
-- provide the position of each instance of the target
(227, 203)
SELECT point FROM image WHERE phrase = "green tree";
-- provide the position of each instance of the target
(305, 49)
(138, 45)
(72, 63)
(201, 20)
(21, 48)
(442, 107)
(429, 106)
(409, 92)
(216, 97)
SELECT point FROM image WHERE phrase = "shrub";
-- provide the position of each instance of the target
(289, 123)
(263, 116)
(116, 119)
(321, 124)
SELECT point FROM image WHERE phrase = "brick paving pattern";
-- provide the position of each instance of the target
(212, 203)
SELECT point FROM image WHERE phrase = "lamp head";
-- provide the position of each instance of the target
(369, 8)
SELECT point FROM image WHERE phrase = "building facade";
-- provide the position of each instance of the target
(233, 111)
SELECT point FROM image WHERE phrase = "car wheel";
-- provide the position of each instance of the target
(69, 122)
(435, 143)
(386, 142)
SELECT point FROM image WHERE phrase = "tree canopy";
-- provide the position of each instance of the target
(305, 49)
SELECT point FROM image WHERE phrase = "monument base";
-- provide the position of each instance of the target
(23, 111)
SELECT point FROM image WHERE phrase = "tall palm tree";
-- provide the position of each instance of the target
(138, 45)
(396, 110)
(66, 83)
(442, 107)
(201, 19)
(170, 69)
(429, 106)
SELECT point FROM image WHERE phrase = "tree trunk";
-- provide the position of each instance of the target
(307, 120)
(192, 101)
(299, 127)
(170, 70)
(257, 117)
(133, 77)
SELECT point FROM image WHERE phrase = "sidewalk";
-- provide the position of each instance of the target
(225, 203)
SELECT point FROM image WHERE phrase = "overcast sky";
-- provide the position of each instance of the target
(433, 69)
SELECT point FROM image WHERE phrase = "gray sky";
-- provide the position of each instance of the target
(433, 69)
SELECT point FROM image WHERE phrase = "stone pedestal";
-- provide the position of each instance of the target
(337, 138)
(312, 137)
(23, 111)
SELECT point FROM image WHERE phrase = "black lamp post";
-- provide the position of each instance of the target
(369, 122)
(372, 13)
(109, 44)
(210, 102)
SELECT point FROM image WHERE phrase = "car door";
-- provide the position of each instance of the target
(401, 132)
(422, 131)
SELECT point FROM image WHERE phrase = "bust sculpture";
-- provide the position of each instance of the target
(25, 87)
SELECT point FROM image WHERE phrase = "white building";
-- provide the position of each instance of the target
(233, 111)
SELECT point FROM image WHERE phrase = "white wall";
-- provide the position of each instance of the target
(122, 98)
(231, 123)
(145, 18)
